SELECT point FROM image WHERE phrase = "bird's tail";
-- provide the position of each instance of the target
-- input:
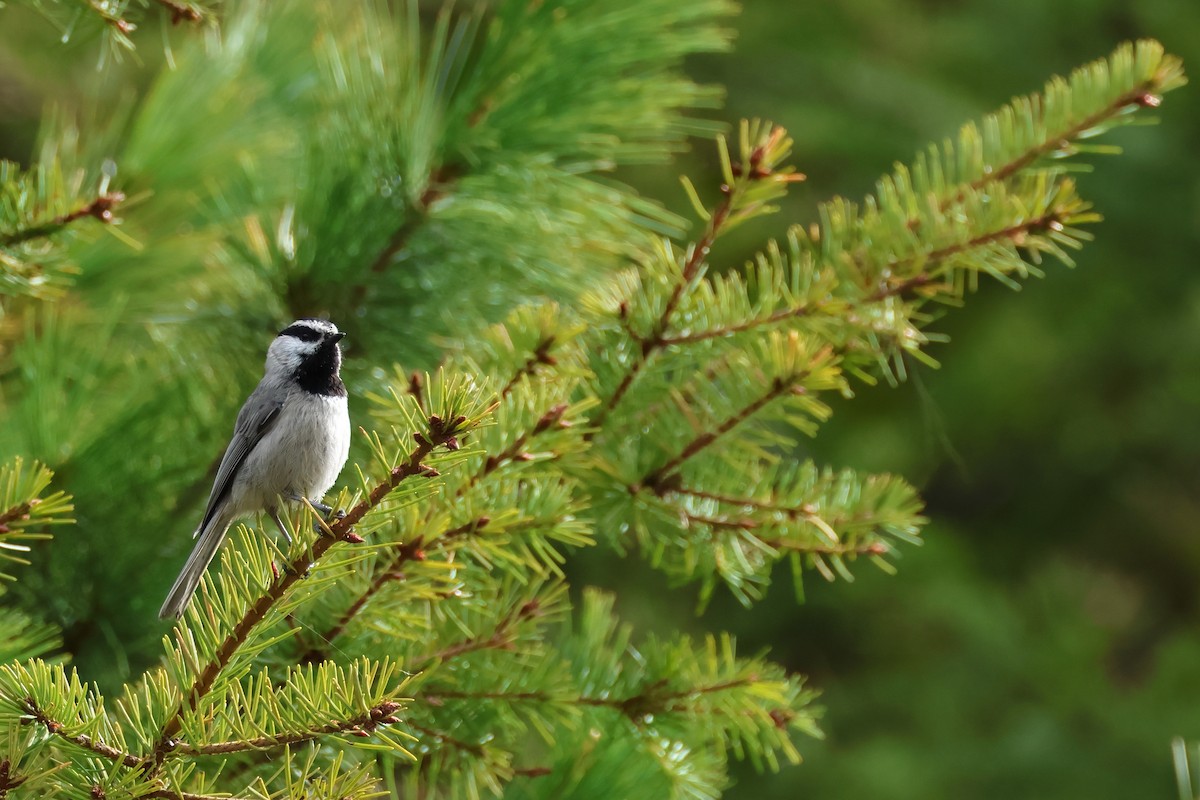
(209, 542)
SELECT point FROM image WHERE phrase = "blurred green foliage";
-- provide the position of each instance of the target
(1044, 642)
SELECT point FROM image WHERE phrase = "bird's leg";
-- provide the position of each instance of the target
(279, 524)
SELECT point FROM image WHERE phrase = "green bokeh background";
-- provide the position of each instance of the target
(1044, 642)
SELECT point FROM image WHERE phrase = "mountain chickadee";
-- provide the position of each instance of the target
(290, 442)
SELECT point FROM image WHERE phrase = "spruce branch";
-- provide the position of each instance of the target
(440, 432)
(81, 740)
(413, 550)
(741, 199)
(541, 356)
(663, 476)
(1018, 235)
(363, 724)
(1146, 93)
(650, 699)
(501, 637)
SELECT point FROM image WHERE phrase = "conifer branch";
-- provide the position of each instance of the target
(800, 512)
(661, 478)
(1143, 95)
(758, 167)
(1052, 220)
(793, 312)
(552, 418)
(410, 551)
(417, 549)
(541, 355)
(650, 344)
(501, 637)
(745, 502)
(100, 208)
(648, 701)
(81, 740)
(363, 724)
(340, 531)
(748, 524)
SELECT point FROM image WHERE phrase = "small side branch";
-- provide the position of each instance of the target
(81, 740)
(101, 208)
(1017, 234)
(413, 550)
(650, 700)
(653, 342)
(1142, 95)
(500, 638)
(661, 478)
(540, 356)
(363, 724)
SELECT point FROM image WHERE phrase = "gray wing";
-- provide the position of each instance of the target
(253, 421)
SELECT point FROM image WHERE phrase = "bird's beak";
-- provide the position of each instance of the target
(337, 337)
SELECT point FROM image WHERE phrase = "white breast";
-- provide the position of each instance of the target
(302, 454)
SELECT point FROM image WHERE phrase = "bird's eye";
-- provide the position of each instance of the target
(302, 332)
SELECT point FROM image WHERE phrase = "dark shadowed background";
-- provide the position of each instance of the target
(1045, 641)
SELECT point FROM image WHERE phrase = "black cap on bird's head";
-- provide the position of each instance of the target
(312, 329)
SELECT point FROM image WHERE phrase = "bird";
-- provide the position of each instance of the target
(290, 442)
